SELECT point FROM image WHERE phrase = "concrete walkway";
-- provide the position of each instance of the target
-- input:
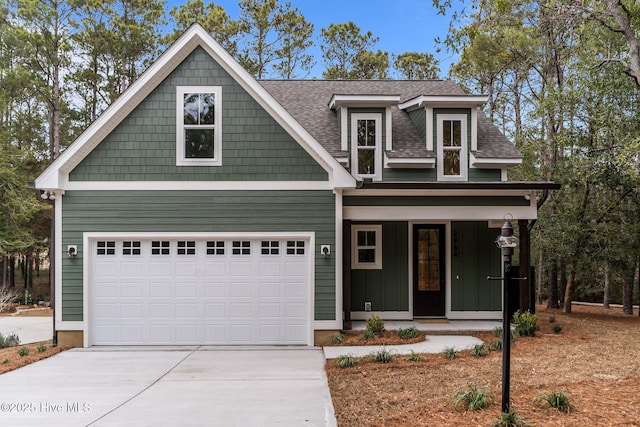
(28, 329)
(182, 386)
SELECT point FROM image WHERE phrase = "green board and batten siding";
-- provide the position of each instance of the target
(254, 145)
(198, 211)
(143, 148)
(386, 289)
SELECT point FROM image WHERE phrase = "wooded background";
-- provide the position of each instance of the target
(562, 76)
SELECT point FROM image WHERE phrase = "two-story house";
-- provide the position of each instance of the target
(206, 207)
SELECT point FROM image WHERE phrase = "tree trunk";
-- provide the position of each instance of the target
(5, 269)
(552, 302)
(539, 278)
(563, 284)
(627, 290)
(12, 271)
(568, 293)
(623, 16)
(607, 285)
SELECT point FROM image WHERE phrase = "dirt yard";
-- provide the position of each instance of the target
(595, 360)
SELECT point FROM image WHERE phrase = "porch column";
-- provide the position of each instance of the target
(525, 303)
(346, 275)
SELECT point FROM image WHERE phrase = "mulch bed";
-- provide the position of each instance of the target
(594, 359)
(10, 358)
(386, 338)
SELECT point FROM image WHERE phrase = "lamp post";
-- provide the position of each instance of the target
(506, 241)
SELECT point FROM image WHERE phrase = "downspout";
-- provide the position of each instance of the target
(543, 199)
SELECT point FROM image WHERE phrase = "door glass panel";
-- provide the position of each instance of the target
(429, 260)
(452, 162)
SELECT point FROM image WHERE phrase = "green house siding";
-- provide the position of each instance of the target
(198, 211)
(474, 257)
(419, 119)
(409, 175)
(386, 289)
(143, 146)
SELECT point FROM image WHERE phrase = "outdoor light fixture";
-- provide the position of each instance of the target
(325, 250)
(506, 241)
(50, 195)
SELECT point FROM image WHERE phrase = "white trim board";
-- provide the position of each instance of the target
(197, 185)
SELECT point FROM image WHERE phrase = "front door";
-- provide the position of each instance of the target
(428, 270)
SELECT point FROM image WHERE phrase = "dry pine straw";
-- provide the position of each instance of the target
(595, 360)
(10, 359)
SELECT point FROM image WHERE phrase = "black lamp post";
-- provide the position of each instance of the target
(506, 241)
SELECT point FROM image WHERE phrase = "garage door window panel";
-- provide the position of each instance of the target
(270, 247)
(131, 248)
(106, 248)
(295, 247)
(215, 247)
(160, 247)
(241, 247)
(186, 247)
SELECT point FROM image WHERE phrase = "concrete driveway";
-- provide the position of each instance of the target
(183, 386)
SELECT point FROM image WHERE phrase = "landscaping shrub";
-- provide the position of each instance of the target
(449, 353)
(472, 397)
(479, 350)
(415, 357)
(375, 324)
(9, 341)
(557, 400)
(367, 335)
(42, 348)
(383, 356)
(345, 361)
(23, 352)
(409, 333)
(510, 419)
(526, 323)
(336, 338)
(557, 329)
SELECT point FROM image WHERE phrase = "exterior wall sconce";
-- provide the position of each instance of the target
(325, 251)
(72, 251)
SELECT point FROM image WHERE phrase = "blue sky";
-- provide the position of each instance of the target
(401, 25)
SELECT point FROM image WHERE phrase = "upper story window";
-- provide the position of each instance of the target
(199, 126)
(366, 145)
(452, 147)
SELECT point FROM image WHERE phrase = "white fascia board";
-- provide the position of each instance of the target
(150, 79)
(197, 185)
(443, 101)
(338, 100)
(431, 213)
(494, 162)
(434, 192)
(410, 162)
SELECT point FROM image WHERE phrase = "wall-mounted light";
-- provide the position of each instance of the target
(48, 195)
(72, 251)
(325, 251)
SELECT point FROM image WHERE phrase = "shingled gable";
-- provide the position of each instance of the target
(310, 102)
(56, 175)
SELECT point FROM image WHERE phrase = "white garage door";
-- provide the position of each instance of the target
(191, 291)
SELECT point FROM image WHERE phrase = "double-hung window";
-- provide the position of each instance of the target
(366, 145)
(366, 243)
(199, 126)
(452, 147)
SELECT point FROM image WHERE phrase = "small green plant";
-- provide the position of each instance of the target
(511, 419)
(472, 398)
(495, 345)
(23, 352)
(42, 348)
(449, 353)
(409, 333)
(375, 324)
(9, 341)
(383, 356)
(557, 329)
(415, 357)
(5, 361)
(557, 400)
(479, 350)
(346, 361)
(498, 333)
(336, 338)
(367, 335)
(526, 323)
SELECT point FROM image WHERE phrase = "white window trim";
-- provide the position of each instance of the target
(377, 157)
(355, 265)
(217, 153)
(464, 149)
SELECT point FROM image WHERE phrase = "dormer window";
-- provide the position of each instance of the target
(452, 147)
(366, 145)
